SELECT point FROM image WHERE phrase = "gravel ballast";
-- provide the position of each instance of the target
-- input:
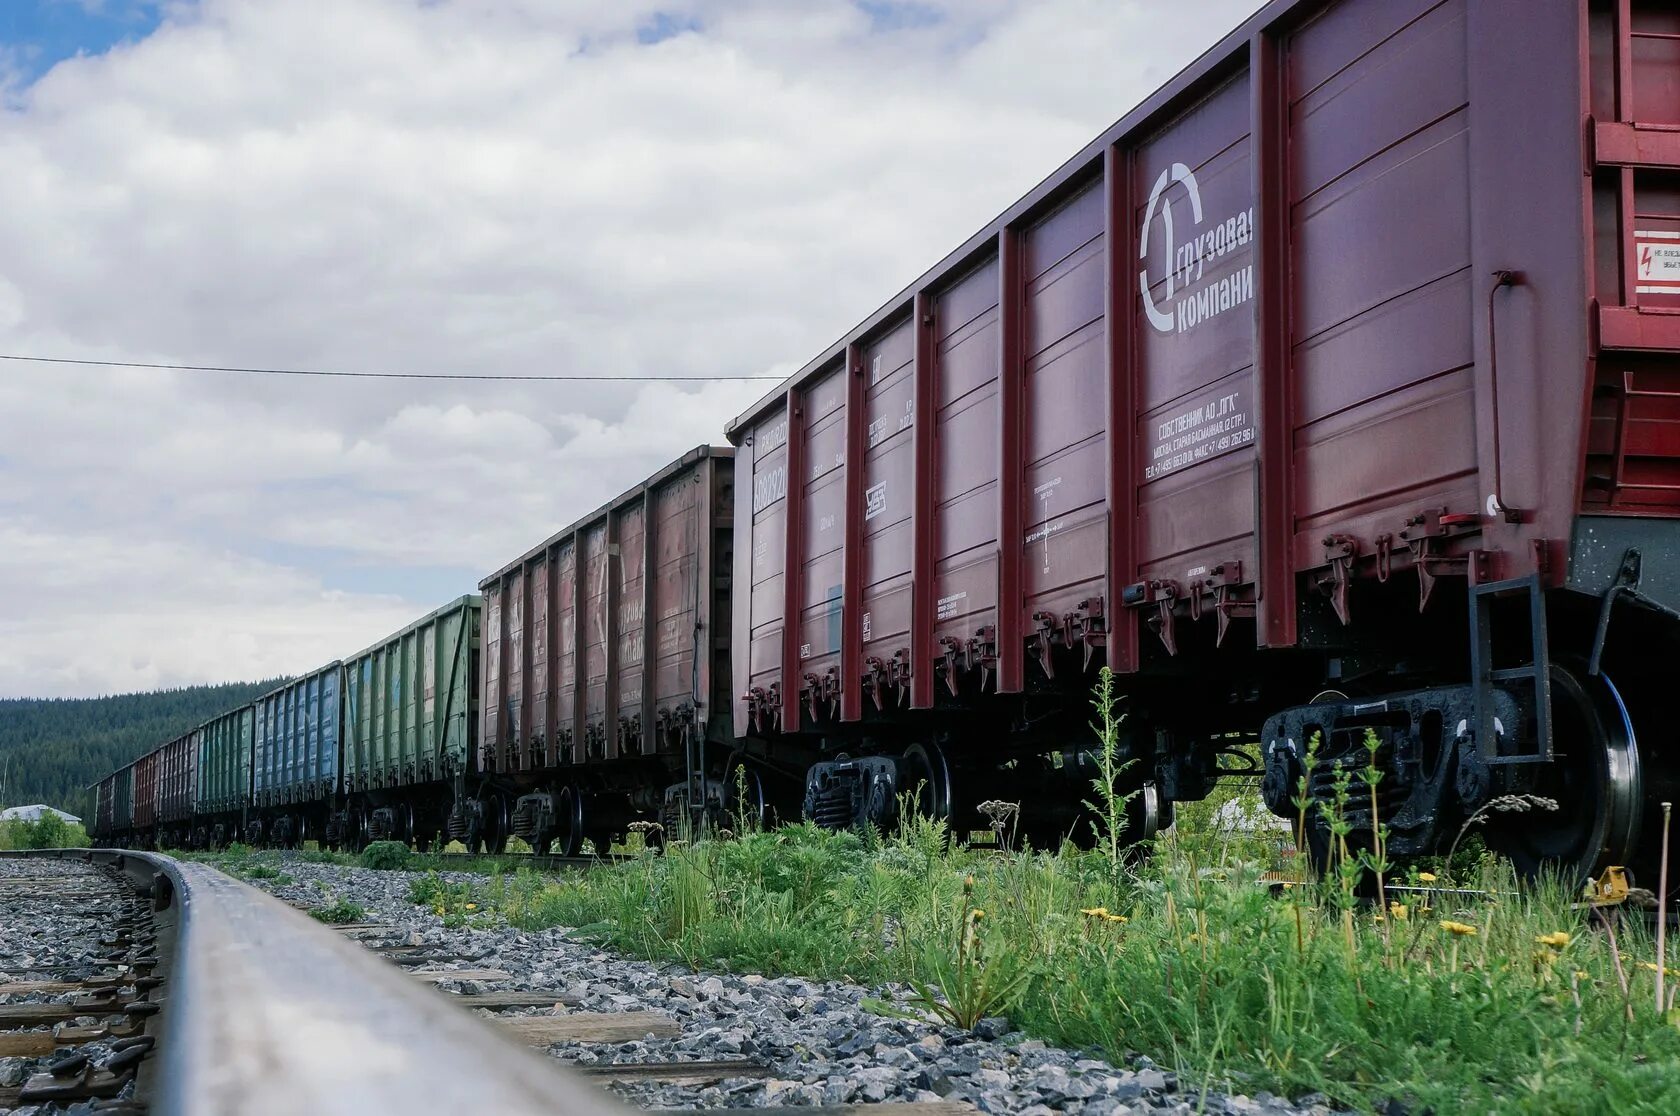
(822, 1045)
(50, 930)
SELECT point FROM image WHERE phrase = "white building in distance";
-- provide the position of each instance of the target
(34, 813)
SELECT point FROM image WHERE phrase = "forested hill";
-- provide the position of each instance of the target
(52, 750)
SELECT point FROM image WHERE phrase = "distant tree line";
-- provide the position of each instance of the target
(53, 750)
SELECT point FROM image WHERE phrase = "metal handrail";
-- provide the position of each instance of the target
(269, 1012)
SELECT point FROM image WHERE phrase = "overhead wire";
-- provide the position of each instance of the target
(541, 377)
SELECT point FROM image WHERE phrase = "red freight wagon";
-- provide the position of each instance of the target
(605, 667)
(146, 787)
(1333, 389)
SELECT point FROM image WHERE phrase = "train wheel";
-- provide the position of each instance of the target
(490, 830)
(1595, 780)
(744, 804)
(929, 780)
(568, 822)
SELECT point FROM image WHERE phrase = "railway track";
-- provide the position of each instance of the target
(136, 984)
(84, 972)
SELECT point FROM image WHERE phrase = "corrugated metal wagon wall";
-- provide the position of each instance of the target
(603, 643)
(1313, 313)
(411, 702)
(224, 763)
(296, 753)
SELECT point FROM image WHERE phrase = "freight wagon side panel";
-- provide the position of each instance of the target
(298, 737)
(566, 746)
(884, 519)
(540, 682)
(967, 333)
(1060, 497)
(759, 582)
(1194, 392)
(596, 573)
(410, 701)
(178, 771)
(1383, 346)
(628, 624)
(146, 790)
(822, 429)
(224, 761)
(691, 512)
(582, 617)
(122, 800)
(102, 812)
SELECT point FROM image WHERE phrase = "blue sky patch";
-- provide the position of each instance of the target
(899, 15)
(665, 25)
(424, 586)
(38, 34)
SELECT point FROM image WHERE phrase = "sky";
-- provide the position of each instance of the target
(694, 188)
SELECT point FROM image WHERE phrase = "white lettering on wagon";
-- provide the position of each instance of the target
(874, 500)
(1220, 423)
(1186, 302)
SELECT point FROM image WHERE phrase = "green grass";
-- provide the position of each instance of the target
(338, 912)
(1507, 1000)
(1190, 958)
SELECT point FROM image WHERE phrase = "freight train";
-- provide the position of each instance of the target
(1332, 396)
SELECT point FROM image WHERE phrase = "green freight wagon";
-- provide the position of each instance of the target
(224, 775)
(410, 727)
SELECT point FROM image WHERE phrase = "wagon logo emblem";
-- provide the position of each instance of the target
(1178, 172)
(1185, 302)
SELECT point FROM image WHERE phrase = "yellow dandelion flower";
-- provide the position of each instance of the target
(1094, 912)
(1426, 877)
(1461, 928)
(472, 906)
(977, 913)
(1557, 939)
(1652, 966)
(1400, 911)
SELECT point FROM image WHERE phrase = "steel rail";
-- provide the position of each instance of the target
(270, 1013)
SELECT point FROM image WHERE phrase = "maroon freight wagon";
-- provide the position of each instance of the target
(1333, 389)
(146, 787)
(177, 786)
(605, 665)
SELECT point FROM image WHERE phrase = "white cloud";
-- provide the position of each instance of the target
(510, 186)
